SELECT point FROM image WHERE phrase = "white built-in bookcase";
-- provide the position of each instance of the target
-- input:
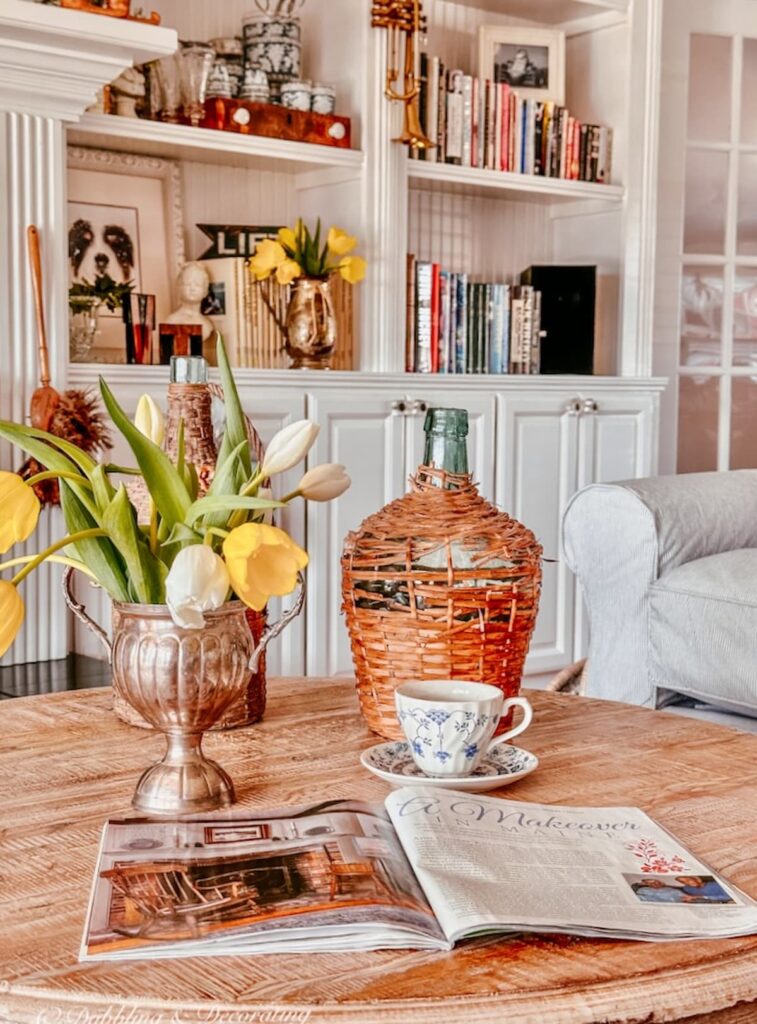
(488, 223)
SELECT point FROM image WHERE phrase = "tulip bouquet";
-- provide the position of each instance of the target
(197, 551)
(298, 253)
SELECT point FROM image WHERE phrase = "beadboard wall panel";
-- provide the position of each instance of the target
(214, 194)
(490, 239)
(31, 192)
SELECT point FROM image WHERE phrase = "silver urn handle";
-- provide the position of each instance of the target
(277, 627)
(79, 611)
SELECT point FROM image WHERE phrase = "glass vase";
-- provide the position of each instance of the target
(82, 327)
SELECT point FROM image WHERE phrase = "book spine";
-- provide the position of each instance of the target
(535, 355)
(491, 120)
(594, 153)
(410, 340)
(420, 154)
(423, 290)
(483, 98)
(441, 355)
(475, 102)
(498, 98)
(432, 108)
(467, 120)
(563, 143)
(435, 309)
(441, 115)
(516, 331)
(461, 323)
(455, 117)
(505, 342)
(530, 136)
(582, 153)
(538, 135)
(527, 294)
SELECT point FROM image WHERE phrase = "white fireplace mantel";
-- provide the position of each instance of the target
(53, 60)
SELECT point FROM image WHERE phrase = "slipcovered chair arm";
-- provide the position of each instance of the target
(619, 538)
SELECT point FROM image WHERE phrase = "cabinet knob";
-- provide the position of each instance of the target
(399, 407)
(573, 408)
(416, 408)
(589, 405)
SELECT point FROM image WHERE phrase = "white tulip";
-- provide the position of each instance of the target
(149, 420)
(324, 482)
(198, 582)
(289, 447)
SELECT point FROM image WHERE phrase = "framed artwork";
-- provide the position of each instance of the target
(531, 60)
(124, 220)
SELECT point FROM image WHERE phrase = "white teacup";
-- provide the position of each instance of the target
(449, 724)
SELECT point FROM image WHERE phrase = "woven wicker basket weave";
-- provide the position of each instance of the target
(438, 585)
(194, 403)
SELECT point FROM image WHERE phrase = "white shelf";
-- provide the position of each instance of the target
(87, 374)
(550, 12)
(155, 138)
(492, 184)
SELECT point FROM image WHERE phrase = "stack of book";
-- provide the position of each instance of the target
(455, 325)
(487, 124)
(249, 315)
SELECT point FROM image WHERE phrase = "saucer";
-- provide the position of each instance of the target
(394, 763)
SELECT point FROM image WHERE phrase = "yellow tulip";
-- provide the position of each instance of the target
(339, 242)
(262, 561)
(287, 239)
(287, 272)
(353, 269)
(19, 511)
(268, 256)
(11, 615)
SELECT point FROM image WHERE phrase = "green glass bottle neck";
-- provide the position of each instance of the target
(446, 440)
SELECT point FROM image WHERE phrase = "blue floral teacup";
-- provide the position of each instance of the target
(449, 724)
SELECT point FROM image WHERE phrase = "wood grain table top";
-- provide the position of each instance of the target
(66, 764)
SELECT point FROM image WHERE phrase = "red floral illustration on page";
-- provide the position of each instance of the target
(646, 850)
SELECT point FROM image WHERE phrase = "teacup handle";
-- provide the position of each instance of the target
(528, 714)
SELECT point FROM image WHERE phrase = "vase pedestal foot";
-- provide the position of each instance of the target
(184, 782)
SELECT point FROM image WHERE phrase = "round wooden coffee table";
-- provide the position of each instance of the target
(66, 764)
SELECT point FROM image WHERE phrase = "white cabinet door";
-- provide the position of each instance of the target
(536, 475)
(481, 410)
(271, 409)
(616, 438)
(360, 431)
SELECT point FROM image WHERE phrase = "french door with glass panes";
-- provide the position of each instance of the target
(706, 294)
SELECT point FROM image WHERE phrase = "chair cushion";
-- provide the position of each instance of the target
(703, 630)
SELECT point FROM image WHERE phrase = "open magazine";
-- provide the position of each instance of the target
(430, 867)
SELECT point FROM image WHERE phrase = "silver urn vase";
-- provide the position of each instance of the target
(311, 324)
(181, 681)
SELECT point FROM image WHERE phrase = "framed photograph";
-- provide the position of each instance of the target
(531, 60)
(124, 222)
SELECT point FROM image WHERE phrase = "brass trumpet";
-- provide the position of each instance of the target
(403, 18)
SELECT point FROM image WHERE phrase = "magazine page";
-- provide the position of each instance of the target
(486, 863)
(318, 877)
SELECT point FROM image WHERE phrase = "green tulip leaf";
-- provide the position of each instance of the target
(227, 481)
(226, 503)
(103, 488)
(235, 433)
(98, 553)
(166, 487)
(146, 573)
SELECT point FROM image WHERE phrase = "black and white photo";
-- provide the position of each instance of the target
(529, 60)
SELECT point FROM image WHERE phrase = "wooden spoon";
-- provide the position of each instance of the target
(45, 399)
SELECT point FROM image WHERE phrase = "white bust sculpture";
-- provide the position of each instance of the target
(127, 89)
(193, 284)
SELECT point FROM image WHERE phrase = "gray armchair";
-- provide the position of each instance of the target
(668, 570)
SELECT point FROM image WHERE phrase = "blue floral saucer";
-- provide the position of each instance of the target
(394, 763)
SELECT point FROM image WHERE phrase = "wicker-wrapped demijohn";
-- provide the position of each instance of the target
(439, 584)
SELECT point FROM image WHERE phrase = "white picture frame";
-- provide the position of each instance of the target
(144, 192)
(544, 63)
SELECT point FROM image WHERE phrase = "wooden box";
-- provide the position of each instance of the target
(277, 122)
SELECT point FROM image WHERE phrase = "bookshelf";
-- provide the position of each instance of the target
(474, 181)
